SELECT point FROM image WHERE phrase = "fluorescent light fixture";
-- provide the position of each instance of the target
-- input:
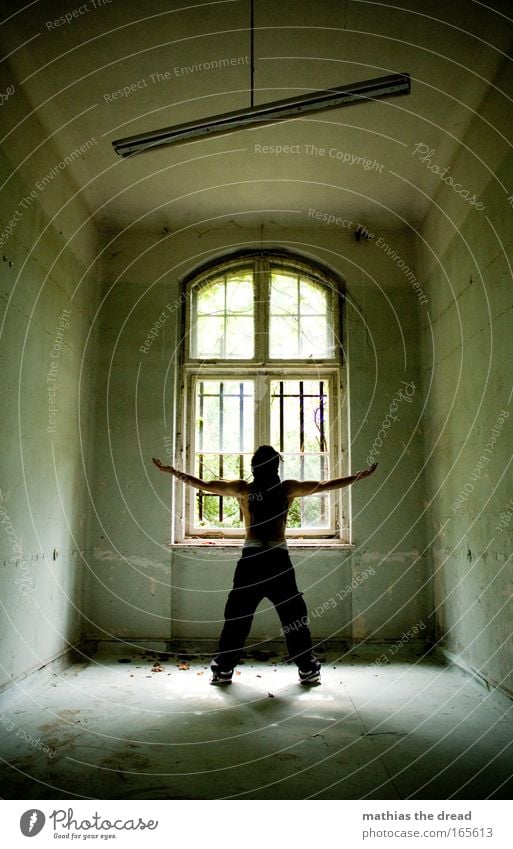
(279, 110)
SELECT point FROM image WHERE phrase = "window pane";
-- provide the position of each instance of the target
(300, 320)
(299, 415)
(224, 441)
(284, 294)
(209, 336)
(210, 299)
(239, 343)
(224, 326)
(239, 294)
(311, 512)
(314, 298)
(224, 416)
(283, 337)
(313, 339)
(315, 511)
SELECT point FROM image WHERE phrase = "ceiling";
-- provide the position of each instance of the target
(185, 60)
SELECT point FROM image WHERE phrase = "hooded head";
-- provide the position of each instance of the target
(268, 502)
(265, 464)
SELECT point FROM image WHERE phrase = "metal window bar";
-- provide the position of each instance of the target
(322, 438)
(298, 295)
(301, 426)
(221, 437)
(201, 425)
(302, 440)
(322, 441)
(282, 440)
(241, 438)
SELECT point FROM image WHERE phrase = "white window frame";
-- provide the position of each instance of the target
(263, 370)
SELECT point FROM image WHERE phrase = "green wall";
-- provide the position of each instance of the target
(467, 377)
(47, 301)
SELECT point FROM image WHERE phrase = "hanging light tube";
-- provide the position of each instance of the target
(265, 113)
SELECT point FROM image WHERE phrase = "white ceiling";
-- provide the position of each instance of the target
(68, 72)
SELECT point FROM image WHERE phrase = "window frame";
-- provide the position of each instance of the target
(261, 263)
(263, 369)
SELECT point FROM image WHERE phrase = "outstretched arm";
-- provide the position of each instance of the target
(217, 487)
(296, 489)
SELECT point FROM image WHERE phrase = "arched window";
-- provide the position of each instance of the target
(262, 365)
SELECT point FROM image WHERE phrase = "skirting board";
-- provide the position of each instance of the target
(343, 648)
(199, 646)
(502, 694)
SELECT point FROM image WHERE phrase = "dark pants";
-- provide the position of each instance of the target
(265, 573)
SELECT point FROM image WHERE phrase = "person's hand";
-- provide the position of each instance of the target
(163, 468)
(366, 472)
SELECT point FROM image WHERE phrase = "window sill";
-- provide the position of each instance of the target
(237, 543)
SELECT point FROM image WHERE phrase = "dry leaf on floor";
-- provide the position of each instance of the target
(183, 665)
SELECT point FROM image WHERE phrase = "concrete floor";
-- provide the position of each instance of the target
(121, 730)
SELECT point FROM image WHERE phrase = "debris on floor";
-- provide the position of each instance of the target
(125, 765)
(183, 665)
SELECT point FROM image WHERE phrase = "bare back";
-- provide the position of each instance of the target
(275, 529)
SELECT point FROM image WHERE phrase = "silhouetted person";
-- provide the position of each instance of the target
(264, 569)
